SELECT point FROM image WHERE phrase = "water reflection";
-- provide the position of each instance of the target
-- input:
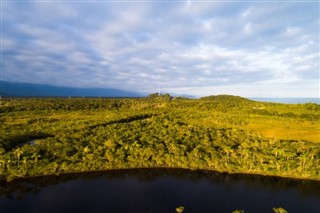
(158, 190)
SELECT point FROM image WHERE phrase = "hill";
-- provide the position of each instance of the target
(225, 98)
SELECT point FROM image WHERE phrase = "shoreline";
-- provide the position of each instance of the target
(129, 169)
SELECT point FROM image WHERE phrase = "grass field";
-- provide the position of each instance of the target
(220, 133)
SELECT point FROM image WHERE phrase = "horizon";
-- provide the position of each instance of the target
(143, 95)
(247, 48)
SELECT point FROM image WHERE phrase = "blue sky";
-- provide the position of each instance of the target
(249, 48)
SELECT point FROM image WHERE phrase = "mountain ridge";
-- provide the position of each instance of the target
(20, 89)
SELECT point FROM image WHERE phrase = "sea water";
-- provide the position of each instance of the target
(289, 100)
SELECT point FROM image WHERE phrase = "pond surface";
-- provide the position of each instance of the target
(158, 190)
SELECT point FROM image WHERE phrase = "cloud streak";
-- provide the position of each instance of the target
(198, 48)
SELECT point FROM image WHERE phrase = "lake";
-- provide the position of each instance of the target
(158, 190)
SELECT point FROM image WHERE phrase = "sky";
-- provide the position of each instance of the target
(198, 48)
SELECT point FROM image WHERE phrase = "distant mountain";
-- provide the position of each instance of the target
(10, 89)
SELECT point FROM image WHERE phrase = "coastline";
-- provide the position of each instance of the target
(218, 172)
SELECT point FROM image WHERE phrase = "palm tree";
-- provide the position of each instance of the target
(179, 209)
(303, 159)
(3, 163)
(17, 153)
(35, 156)
(279, 210)
(228, 151)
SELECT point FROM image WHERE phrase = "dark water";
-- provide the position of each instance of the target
(158, 190)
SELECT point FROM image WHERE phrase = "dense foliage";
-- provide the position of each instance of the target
(221, 133)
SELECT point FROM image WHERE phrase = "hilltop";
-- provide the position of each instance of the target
(225, 98)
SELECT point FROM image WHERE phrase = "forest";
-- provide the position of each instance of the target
(229, 134)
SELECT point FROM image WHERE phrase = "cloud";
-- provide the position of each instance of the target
(247, 12)
(255, 90)
(248, 28)
(192, 47)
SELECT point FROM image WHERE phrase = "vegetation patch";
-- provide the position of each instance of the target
(220, 133)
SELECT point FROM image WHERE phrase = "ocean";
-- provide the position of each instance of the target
(289, 100)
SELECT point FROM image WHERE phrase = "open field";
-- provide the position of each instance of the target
(221, 133)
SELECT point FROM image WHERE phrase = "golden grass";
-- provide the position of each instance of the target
(286, 129)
